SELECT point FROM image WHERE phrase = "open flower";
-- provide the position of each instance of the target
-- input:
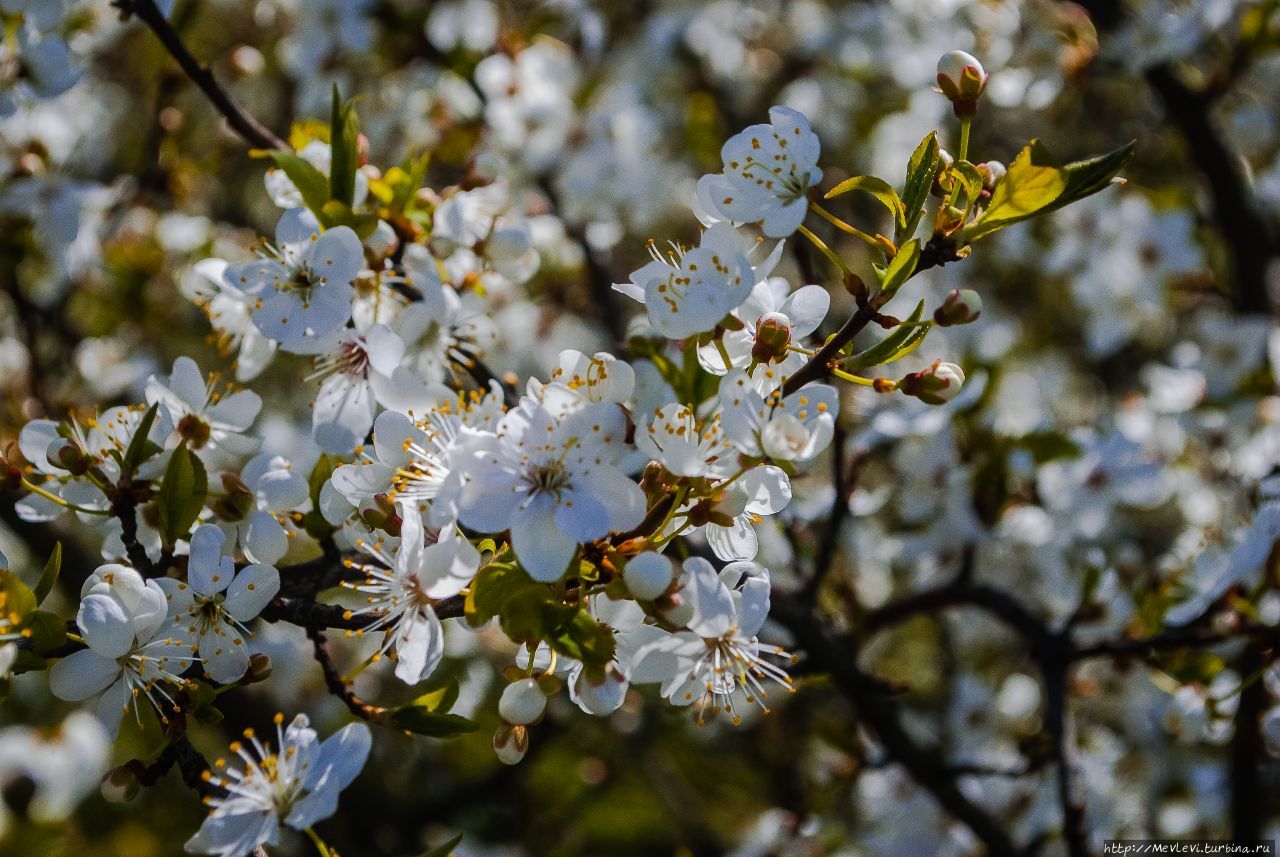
(403, 587)
(230, 313)
(761, 422)
(208, 612)
(254, 510)
(304, 288)
(794, 315)
(768, 170)
(296, 785)
(203, 415)
(552, 483)
(717, 659)
(691, 291)
(121, 618)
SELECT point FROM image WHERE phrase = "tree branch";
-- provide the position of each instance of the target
(253, 131)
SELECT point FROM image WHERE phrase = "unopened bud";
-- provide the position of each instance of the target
(942, 179)
(961, 307)
(522, 702)
(120, 785)
(510, 743)
(991, 172)
(648, 575)
(937, 385)
(259, 669)
(961, 79)
(71, 458)
(773, 335)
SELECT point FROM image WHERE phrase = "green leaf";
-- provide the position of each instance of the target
(970, 180)
(444, 849)
(900, 269)
(879, 188)
(494, 587)
(1036, 184)
(431, 723)
(440, 699)
(49, 576)
(582, 638)
(921, 170)
(140, 447)
(309, 181)
(324, 467)
(344, 141)
(48, 631)
(182, 494)
(17, 601)
(902, 341)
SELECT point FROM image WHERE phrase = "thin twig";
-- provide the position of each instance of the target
(253, 131)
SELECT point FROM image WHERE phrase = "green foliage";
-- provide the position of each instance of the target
(898, 344)
(432, 724)
(532, 612)
(1037, 184)
(344, 142)
(879, 188)
(921, 170)
(444, 849)
(899, 270)
(141, 447)
(49, 576)
(313, 522)
(182, 494)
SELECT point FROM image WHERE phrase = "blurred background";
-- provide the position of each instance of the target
(1120, 415)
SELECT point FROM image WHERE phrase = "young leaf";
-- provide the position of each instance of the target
(49, 576)
(430, 723)
(1036, 184)
(896, 344)
(344, 141)
(921, 170)
(879, 188)
(16, 598)
(182, 494)
(48, 631)
(444, 849)
(900, 269)
(140, 447)
(309, 181)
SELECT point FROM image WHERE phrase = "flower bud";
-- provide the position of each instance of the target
(937, 385)
(961, 79)
(648, 575)
(773, 335)
(259, 669)
(938, 188)
(522, 702)
(961, 307)
(510, 743)
(991, 172)
(120, 785)
(71, 458)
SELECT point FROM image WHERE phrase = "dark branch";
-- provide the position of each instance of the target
(253, 131)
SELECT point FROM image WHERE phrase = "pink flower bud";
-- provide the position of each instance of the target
(937, 385)
(961, 307)
(773, 335)
(961, 79)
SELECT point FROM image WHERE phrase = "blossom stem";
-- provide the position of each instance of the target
(965, 123)
(324, 849)
(826, 251)
(845, 227)
(855, 379)
(54, 498)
